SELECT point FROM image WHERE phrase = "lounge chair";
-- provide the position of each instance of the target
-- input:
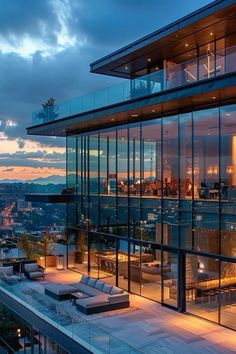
(33, 271)
(8, 275)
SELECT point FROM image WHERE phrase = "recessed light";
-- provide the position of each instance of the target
(126, 67)
(214, 97)
(149, 59)
(153, 110)
(112, 119)
(211, 34)
(134, 115)
(157, 68)
(186, 44)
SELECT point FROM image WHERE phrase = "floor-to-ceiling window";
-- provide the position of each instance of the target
(167, 182)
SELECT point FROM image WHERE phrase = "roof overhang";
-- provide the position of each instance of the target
(218, 17)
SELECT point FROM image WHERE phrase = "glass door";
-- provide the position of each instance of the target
(169, 279)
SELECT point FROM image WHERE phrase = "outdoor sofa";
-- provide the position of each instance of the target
(8, 274)
(99, 296)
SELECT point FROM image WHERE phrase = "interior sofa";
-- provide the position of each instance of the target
(100, 296)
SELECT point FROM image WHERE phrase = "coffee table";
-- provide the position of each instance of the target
(77, 295)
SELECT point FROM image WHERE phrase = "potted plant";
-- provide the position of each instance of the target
(81, 247)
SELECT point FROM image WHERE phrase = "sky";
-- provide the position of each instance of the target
(46, 47)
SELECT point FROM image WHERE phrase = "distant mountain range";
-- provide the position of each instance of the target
(55, 179)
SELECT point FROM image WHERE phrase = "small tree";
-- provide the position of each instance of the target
(48, 113)
(27, 247)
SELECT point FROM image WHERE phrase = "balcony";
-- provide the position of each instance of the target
(211, 65)
(128, 331)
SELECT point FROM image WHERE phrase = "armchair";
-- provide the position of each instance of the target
(33, 271)
(8, 275)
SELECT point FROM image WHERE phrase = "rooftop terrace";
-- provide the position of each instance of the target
(145, 327)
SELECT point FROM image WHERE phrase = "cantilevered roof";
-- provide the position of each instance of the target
(170, 40)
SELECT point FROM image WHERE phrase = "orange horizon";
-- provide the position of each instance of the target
(28, 173)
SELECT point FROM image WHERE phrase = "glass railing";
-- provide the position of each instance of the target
(67, 319)
(199, 68)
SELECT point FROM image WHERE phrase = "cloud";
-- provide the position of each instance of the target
(36, 19)
(33, 159)
(75, 33)
(21, 143)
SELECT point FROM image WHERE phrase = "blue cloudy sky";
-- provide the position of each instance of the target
(45, 50)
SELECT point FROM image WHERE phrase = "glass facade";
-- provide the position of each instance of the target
(155, 210)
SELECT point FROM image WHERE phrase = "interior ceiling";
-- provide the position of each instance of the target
(218, 25)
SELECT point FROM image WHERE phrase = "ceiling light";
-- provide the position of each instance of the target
(228, 114)
(134, 115)
(214, 97)
(112, 120)
(153, 110)
(211, 34)
(126, 67)
(149, 59)
(186, 44)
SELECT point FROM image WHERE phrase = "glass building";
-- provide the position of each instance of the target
(151, 167)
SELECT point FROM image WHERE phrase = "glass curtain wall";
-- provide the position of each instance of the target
(171, 182)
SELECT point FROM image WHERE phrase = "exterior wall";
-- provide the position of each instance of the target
(157, 209)
(18, 336)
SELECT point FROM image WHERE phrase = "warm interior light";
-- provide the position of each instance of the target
(149, 59)
(229, 169)
(209, 170)
(186, 44)
(215, 170)
(134, 115)
(211, 34)
(41, 258)
(153, 110)
(214, 97)
(233, 160)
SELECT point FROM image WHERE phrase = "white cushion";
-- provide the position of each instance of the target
(84, 279)
(116, 290)
(92, 282)
(36, 274)
(95, 301)
(7, 270)
(119, 298)
(107, 288)
(31, 267)
(99, 284)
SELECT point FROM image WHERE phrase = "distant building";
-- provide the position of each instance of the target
(23, 205)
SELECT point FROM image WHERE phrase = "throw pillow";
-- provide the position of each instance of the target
(116, 290)
(107, 288)
(92, 282)
(99, 284)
